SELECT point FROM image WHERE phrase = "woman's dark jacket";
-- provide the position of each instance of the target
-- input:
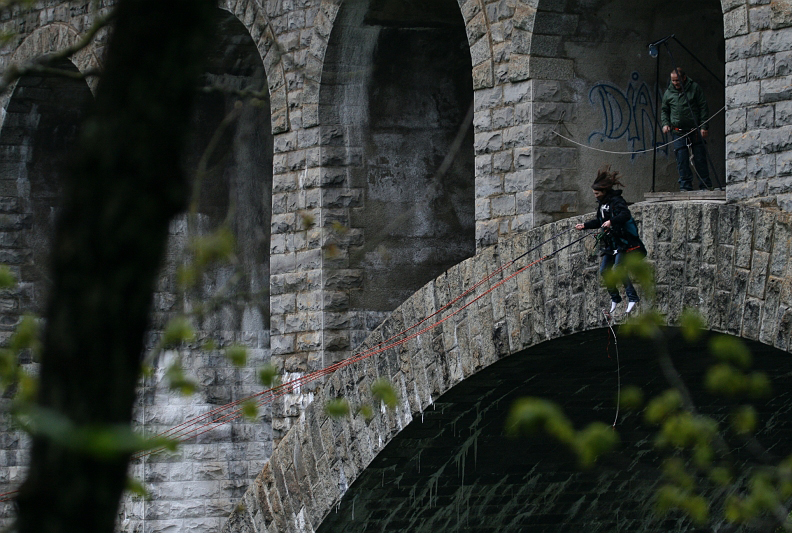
(622, 236)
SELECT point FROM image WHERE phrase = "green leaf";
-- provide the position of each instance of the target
(26, 335)
(27, 390)
(660, 407)
(308, 220)
(383, 391)
(684, 430)
(250, 410)
(106, 441)
(674, 470)
(743, 420)
(646, 325)
(237, 354)
(642, 272)
(529, 416)
(177, 331)
(759, 386)
(734, 510)
(366, 412)
(137, 488)
(692, 324)
(187, 276)
(268, 376)
(177, 381)
(339, 228)
(730, 350)
(726, 380)
(337, 408)
(594, 441)
(631, 398)
(721, 476)
(669, 497)
(215, 247)
(7, 278)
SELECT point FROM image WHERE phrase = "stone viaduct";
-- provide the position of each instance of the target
(392, 145)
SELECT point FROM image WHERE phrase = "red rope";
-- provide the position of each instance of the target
(198, 425)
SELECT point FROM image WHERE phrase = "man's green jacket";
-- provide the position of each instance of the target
(675, 111)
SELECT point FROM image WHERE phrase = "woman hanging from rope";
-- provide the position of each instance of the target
(620, 234)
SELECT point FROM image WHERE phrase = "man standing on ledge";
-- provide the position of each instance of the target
(684, 113)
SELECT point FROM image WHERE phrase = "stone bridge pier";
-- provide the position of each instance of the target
(440, 459)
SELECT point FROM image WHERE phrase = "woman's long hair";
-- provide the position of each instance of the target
(606, 179)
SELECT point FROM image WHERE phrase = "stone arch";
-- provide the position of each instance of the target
(41, 116)
(479, 33)
(256, 20)
(397, 151)
(232, 138)
(48, 40)
(731, 262)
(455, 467)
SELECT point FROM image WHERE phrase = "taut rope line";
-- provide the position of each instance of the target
(636, 151)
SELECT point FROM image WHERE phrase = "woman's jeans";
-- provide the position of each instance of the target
(608, 261)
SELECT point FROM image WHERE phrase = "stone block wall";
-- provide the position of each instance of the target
(759, 101)
(526, 61)
(730, 263)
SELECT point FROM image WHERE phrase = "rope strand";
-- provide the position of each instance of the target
(637, 151)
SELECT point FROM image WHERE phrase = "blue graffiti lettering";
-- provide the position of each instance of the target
(629, 113)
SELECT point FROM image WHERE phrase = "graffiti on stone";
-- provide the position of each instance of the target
(627, 113)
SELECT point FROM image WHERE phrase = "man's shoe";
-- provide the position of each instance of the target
(613, 306)
(630, 307)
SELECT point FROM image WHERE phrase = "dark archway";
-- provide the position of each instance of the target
(396, 112)
(41, 124)
(453, 469)
(593, 72)
(232, 135)
(236, 188)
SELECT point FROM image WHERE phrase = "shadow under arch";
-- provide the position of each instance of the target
(229, 160)
(395, 110)
(42, 121)
(455, 469)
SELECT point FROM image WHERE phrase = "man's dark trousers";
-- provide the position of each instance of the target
(699, 160)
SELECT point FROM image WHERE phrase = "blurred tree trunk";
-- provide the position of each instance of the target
(123, 187)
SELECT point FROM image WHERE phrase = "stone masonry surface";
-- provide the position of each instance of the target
(528, 75)
(731, 263)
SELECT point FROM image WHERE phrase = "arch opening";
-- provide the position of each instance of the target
(592, 69)
(396, 108)
(454, 469)
(233, 138)
(42, 123)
